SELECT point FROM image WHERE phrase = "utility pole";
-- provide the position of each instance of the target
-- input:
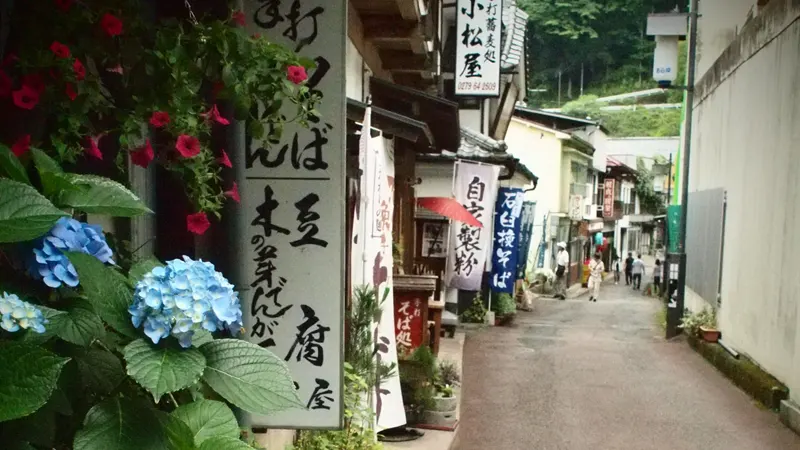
(676, 305)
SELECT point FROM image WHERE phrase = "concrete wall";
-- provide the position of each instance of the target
(540, 150)
(746, 138)
(719, 23)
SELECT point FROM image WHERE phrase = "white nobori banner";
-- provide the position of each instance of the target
(475, 188)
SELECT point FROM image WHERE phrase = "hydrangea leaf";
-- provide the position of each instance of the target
(165, 369)
(250, 377)
(141, 268)
(24, 213)
(103, 196)
(224, 443)
(101, 371)
(121, 424)
(201, 337)
(81, 325)
(28, 377)
(107, 290)
(11, 167)
(208, 418)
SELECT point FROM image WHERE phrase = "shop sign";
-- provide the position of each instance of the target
(478, 47)
(292, 219)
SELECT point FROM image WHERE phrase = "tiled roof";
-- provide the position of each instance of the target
(515, 22)
(477, 144)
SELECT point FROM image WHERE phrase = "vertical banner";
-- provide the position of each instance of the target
(525, 237)
(575, 207)
(293, 223)
(508, 212)
(476, 189)
(479, 25)
(608, 198)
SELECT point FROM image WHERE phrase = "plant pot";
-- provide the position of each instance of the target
(709, 334)
(444, 404)
(504, 320)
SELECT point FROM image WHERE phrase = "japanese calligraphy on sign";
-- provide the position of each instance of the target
(526, 236)
(292, 241)
(476, 189)
(505, 251)
(608, 198)
(408, 324)
(478, 46)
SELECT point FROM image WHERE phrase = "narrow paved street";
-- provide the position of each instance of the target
(576, 375)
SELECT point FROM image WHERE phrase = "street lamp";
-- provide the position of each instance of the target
(669, 25)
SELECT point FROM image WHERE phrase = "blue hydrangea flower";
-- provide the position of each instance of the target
(184, 297)
(16, 314)
(49, 262)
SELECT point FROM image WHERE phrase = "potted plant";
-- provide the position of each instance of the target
(442, 412)
(476, 313)
(505, 309)
(702, 324)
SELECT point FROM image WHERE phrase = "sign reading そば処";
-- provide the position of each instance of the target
(293, 219)
(478, 46)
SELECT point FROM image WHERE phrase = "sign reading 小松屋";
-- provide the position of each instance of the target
(506, 239)
(476, 190)
(479, 27)
(293, 219)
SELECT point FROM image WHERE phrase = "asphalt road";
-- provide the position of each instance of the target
(574, 375)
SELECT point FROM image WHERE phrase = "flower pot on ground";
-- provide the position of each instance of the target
(442, 412)
(709, 334)
(504, 308)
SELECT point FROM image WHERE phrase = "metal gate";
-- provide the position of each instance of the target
(704, 243)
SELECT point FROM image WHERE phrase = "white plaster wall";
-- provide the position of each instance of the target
(354, 72)
(470, 118)
(437, 179)
(540, 151)
(747, 132)
(719, 23)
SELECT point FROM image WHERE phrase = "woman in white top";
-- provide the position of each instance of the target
(596, 269)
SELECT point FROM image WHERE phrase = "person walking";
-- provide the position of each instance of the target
(616, 270)
(562, 265)
(657, 277)
(637, 270)
(629, 269)
(596, 269)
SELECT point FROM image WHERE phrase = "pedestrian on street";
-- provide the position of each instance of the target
(637, 269)
(629, 269)
(616, 270)
(562, 263)
(596, 269)
(657, 277)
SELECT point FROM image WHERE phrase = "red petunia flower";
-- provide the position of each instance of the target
(71, 92)
(143, 156)
(296, 74)
(197, 223)
(93, 149)
(224, 160)
(159, 119)
(22, 145)
(233, 193)
(238, 18)
(188, 146)
(34, 81)
(111, 24)
(213, 114)
(64, 5)
(26, 97)
(60, 50)
(79, 69)
(6, 84)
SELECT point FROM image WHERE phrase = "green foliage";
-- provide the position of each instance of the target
(649, 200)
(28, 376)
(24, 213)
(504, 305)
(208, 420)
(691, 322)
(476, 313)
(163, 370)
(627, 123)
(357, 433)
(418, 376)
(604, 39)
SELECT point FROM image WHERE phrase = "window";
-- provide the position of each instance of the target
(434, 239)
